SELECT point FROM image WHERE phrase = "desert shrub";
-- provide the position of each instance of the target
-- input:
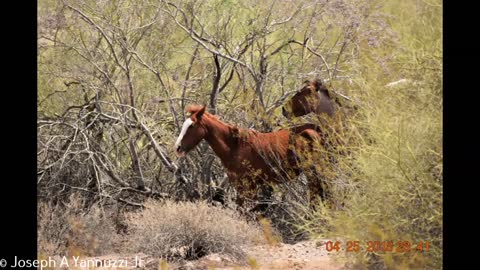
(186, 230)
(72, 229)
(395, 167)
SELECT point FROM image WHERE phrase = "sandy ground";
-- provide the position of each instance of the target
(305, 255)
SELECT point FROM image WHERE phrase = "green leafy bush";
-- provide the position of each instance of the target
(395, 164)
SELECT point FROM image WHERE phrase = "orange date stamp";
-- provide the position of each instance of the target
(377, 246)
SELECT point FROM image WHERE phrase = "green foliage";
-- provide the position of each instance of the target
(397, 167)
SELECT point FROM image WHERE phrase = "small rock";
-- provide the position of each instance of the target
(320, 243)
(213, 258)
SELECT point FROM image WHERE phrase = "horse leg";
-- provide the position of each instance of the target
(316, 181)
(240, 198)
(262, 200)
(245, 191)
(249, 191)
(316, 187)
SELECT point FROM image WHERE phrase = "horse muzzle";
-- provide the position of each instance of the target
(180, 151)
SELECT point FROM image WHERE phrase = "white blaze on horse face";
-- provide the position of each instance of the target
(185, 127)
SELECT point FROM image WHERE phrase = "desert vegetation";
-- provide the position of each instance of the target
(115, 78)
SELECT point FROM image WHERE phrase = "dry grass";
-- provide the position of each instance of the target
(70, 230)
(395, 165)
(177, 231)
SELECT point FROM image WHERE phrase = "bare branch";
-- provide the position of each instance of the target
(195, 37)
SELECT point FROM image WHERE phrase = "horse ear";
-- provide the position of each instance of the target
(201, 111)
(198, 114)
(318, 84)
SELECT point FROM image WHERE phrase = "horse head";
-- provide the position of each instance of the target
(313, 97)
(193, 130)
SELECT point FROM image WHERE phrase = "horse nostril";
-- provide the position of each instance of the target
(179, 148)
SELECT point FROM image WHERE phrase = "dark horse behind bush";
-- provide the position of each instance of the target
(313, 97)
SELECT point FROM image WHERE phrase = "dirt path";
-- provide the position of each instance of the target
(305, 255)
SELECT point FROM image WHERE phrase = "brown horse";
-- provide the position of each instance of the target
(313, 97)
(251, 159)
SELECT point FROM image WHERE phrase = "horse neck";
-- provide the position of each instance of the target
(219, 137)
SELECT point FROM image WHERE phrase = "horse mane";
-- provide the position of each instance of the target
(235, 130)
